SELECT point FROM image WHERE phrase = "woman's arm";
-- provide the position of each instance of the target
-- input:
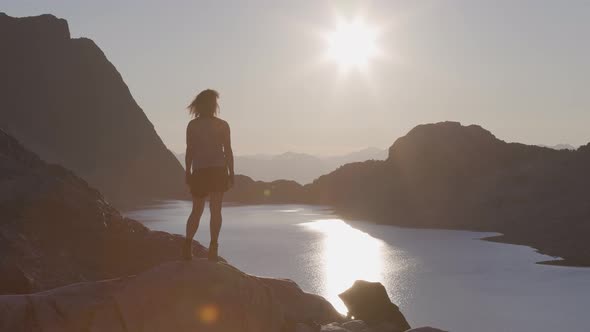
(188, 157)
(229, 154)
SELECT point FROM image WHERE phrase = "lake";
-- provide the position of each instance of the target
(446, 279)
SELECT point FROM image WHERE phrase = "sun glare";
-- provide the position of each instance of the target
(352, 44)
(343, 245)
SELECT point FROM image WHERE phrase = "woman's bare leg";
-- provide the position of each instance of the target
(192, 224)
(215, 208)
(215, 200)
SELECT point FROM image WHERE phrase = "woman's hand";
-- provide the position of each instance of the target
(187, 178)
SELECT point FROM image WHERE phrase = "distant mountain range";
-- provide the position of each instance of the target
(300, 167)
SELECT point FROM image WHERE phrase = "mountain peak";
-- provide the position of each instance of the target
(79, 97)
(440, 135)
(42, 28)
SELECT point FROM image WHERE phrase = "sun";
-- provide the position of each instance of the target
(352, 44)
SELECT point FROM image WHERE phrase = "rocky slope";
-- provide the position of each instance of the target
(176, 296)
(65, 101)
(446, 175)
(55, 229)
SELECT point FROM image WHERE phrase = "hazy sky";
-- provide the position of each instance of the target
(518, 68)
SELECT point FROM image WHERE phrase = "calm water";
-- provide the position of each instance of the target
(447, 279)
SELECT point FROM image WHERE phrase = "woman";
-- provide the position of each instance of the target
(209, 166)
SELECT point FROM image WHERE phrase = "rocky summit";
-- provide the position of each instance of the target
(176, 296)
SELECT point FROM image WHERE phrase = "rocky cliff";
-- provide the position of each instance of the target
(65, 101)
(55, 229)
(446, 175)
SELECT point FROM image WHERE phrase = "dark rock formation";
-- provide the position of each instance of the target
(55, 229)
(65, 101)
(176, 296)
(446, 175)
(248, 191)
(369, 302)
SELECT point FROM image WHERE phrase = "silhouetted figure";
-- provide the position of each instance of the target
(209, 166)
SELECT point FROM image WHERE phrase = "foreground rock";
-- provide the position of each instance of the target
(176, 296)
(56, 230)
(369, 302)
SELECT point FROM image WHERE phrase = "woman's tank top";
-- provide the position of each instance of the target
(205, 138)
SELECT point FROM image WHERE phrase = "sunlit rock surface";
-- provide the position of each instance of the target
(176, 296)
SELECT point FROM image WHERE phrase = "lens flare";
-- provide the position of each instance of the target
(208, 314)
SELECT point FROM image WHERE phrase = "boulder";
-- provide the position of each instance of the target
(177, 296)
(368, 301)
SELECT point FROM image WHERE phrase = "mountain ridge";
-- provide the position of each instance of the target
(446, 175)
(63, 99)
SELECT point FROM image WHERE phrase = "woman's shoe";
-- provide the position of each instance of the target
(187, 250)
(213, 252)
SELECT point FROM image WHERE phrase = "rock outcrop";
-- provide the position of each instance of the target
(369, 302)
(65, 101)
(55, 229)
(176, 296)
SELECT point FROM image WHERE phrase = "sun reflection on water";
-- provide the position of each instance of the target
(347, 254)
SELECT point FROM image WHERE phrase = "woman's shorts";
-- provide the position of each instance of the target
(208, 180)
